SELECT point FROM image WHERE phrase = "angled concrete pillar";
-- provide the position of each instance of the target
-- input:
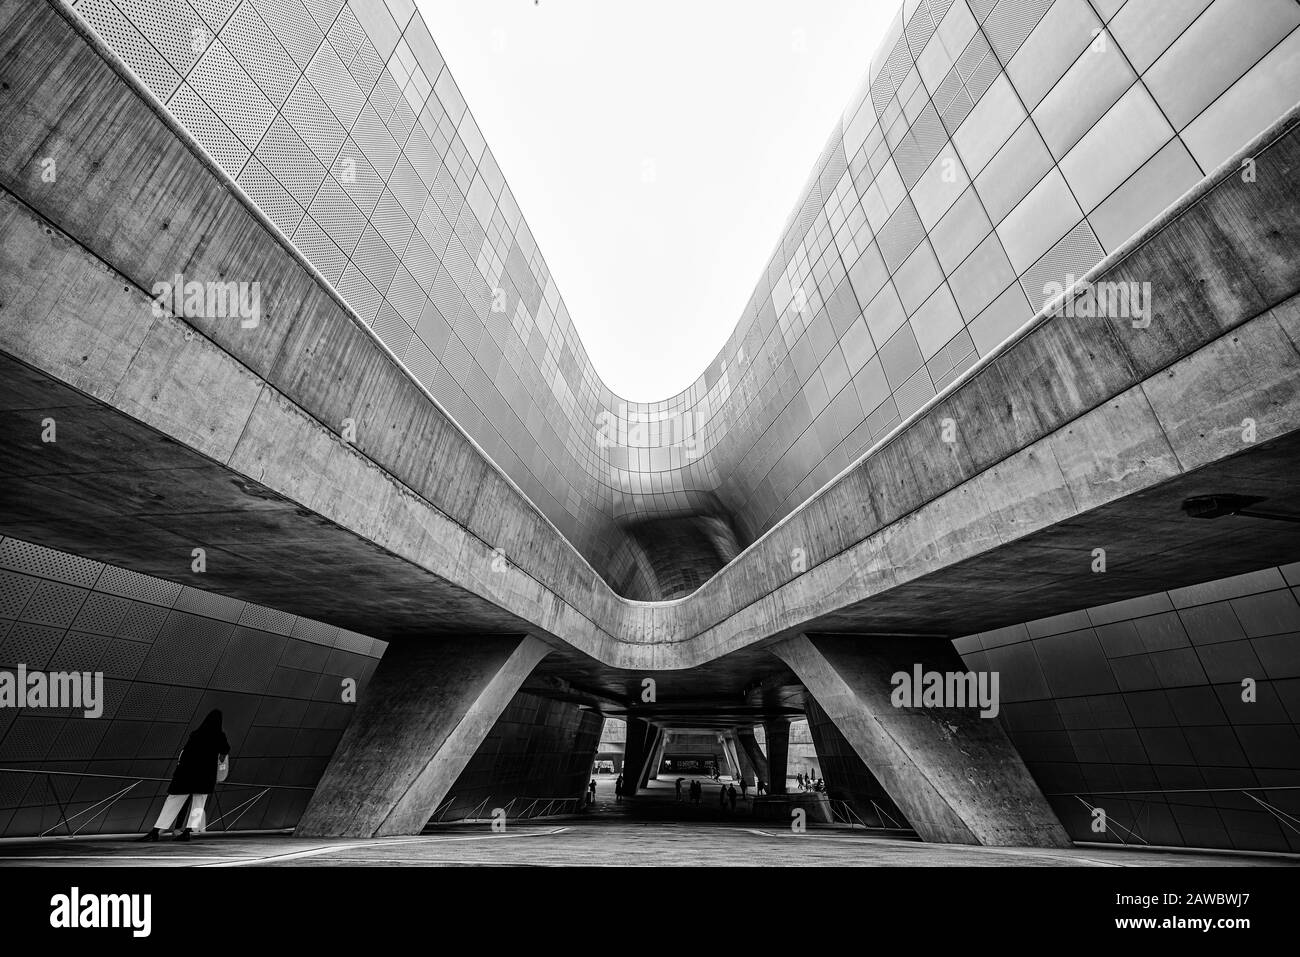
(661, 745)
(651, 771)
(735, 765)
(729, 755)
(777, 732)
(642, 741)
(956, 776)
(427, 709)
(747, 771)
(749, 744)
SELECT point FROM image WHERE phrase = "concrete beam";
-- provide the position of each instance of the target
(956, 776)
(427, 709)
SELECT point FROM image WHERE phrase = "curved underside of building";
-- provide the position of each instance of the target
(912, 436)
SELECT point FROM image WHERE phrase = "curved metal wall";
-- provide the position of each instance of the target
(995, 147)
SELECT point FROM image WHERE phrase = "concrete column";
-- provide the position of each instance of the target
(749, 744)
(658, 741)
(427, 709)
(728, 755)
(637, 751)
(956, 776)
(746, 766)
(777, 732)
(656, 756)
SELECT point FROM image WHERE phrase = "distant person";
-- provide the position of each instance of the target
(195, 777)
(744, 788)
(761, 789)
(618, 789)
(679, 789)
(696, 791)
(722, 797)
(731, 797)
(591, 792)
(799, 779)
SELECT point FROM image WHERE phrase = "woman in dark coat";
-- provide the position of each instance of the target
(195, 777)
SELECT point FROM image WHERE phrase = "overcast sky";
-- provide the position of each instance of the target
(656, 150)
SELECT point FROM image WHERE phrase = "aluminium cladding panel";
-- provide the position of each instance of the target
(168, 653)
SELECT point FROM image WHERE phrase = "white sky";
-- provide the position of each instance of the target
(724, 105)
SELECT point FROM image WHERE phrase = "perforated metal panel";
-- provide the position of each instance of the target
(15, 589)
(395, 332)
(265, 190)
(363, 297)
(122, 658)
(252, 43)
(287, 158)
(1074, 254)
(304, 629)
(29, 644)
(186, 650)
(231, 94)
(208, 604)
(222, 144)
(36, 560)
(104, 17)
(320, 249)
(79, 652)
(53, 603)
(30, 738)
(1011, 22)
(293, 27)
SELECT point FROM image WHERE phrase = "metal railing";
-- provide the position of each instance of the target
(1130, 834)
(516, 809)
(65, 802)
(842, 812)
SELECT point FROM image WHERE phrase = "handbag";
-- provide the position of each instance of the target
(223, 767)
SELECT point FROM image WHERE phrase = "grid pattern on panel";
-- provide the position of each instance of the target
(1138, 708)
(274, 675)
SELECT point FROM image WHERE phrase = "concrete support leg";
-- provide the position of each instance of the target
(747, 771)
(778, 753)
(847, 777)
(733, 763)
(656, 756)
(956, 776)
(757, 760)
(729, 760)
(427, 709)
(641, 742)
